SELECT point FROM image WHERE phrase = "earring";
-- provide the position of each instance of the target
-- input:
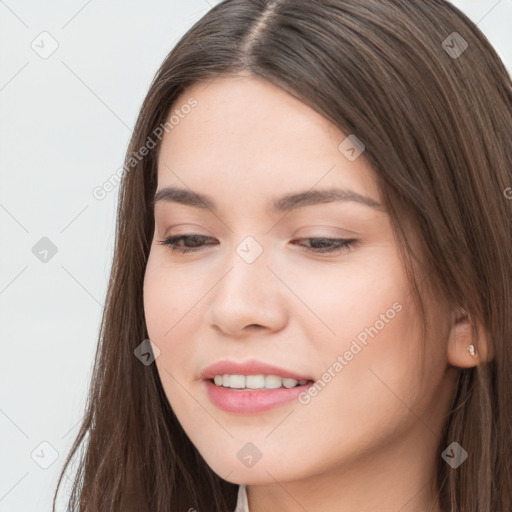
(472, 351)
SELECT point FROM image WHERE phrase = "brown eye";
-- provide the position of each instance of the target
(317, 245)
(330, 245)
(195, 242)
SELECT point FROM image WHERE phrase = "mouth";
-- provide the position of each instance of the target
(254, 400)
(252, 386)
(257, 382)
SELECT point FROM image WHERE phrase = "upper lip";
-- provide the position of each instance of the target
(249, 367)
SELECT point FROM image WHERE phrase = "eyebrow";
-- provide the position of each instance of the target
(284, 203)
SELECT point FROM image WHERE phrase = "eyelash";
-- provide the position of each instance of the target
(343, 244)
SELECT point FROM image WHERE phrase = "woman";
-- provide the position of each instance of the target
(316, 201)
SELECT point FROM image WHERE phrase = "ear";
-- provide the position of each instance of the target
(461, 339)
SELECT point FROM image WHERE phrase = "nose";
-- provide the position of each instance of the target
(248, 297)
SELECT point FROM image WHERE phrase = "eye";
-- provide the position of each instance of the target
(319, 245)
(172, 242)
(330, 245)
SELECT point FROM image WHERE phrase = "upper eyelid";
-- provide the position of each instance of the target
(346, 243)
(190, 229)
(334, 238)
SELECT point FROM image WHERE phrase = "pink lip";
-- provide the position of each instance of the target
(253, 401)
(243, 401)
(250, 367)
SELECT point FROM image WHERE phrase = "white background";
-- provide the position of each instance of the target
(65, 124)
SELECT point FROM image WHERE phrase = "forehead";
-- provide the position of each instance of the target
(246, 130)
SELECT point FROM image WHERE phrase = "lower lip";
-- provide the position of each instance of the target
(243, 401)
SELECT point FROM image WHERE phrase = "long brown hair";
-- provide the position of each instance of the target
(434, 110)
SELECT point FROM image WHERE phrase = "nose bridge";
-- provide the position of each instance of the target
(248, 277)
(248, 293)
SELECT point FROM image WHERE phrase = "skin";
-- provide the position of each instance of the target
(368, 440)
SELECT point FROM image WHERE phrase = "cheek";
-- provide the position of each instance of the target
(173, 308)
(361, 299)
(170, 296)
(375, 350)
(167, 298)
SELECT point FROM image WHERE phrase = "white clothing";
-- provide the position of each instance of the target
(242, 504)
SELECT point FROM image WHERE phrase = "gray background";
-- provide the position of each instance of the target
(65, 125)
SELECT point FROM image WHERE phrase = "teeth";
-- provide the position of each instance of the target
(255, 381)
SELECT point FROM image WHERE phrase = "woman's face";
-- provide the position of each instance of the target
(258, 288)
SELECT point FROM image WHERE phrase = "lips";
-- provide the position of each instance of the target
(259, 401)
(250, 367)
